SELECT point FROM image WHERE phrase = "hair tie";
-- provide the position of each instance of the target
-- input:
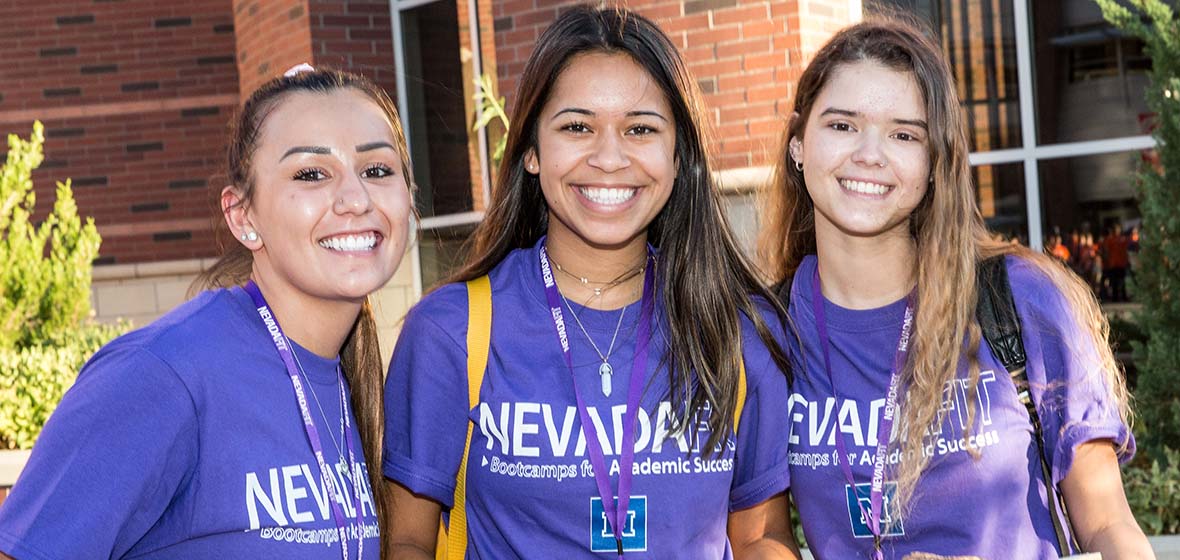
(298, 69)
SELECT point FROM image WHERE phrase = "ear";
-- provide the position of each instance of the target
(233, 207)
(795, 148)
(532, 163)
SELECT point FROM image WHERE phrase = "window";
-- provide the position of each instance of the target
(1053, 97)
(438, 56)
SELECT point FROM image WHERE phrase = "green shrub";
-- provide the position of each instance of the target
(33, 380)
(1154, 493)
(45, 337)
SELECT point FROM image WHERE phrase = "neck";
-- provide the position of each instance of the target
(598, 264)
(866, 272)
(316, 324)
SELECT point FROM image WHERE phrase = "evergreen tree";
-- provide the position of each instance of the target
(1157, 278)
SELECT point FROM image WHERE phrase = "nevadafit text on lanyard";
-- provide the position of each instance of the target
(615, 512)
(872, 516)
(282, 344)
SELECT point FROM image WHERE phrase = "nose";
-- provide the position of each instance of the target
(352, 197)
(609, 153)
(870, 151)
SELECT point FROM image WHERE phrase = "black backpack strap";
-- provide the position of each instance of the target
(782, 290)
(996, 312)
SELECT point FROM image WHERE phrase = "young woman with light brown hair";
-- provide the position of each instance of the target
(907, 432)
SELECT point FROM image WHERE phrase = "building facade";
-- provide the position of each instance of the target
(135, 96)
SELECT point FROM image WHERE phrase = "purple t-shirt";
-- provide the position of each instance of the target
(184, 440)
(994, 507)
(530, 492)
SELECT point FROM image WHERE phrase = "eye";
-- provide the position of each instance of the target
(840, 127)
(377, 171)
(905, 137)
(576, 127)
(310, 174)
(641, 130)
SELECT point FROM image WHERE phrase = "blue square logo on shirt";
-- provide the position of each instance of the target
(633, 532)
(860, 526)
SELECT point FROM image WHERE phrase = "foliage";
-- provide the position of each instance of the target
(1157, 280)
(33, 380)
(1154, 493)
(44, 292)
(45, 272)
(491, 108)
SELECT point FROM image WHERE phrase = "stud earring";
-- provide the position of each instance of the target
(250, 236)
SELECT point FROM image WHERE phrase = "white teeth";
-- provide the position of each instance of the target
(363, 242)
(863, 187)
(607, 196)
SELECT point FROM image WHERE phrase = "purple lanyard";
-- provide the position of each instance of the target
(614, 515)
(282, 344)
(872, 517)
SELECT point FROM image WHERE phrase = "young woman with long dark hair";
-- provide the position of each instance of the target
(907, 431)
(622, 312)
(247, 422)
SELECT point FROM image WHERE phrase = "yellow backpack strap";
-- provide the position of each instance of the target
(741, 397)
(479, 335)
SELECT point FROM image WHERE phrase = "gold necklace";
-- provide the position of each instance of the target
(602, 286)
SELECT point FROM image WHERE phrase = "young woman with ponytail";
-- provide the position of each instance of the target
(908, 436)
(247, 422)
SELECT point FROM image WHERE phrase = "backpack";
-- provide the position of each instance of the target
(995, 310)
(452, 537)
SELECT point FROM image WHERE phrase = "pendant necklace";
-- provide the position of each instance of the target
(341, 462)
(605, 371)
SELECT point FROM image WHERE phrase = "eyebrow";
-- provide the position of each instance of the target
(852, 114)
(590, 113)
(318, 150)
(324, 150)
(373, 146)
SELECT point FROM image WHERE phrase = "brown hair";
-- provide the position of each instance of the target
(360, 358)
(947, 228)
(705, 280)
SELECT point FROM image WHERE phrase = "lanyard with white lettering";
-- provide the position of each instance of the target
(614, 515)
(872, 516)
(282, 344)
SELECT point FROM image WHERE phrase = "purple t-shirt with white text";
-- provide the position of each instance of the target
(183, 439)
(994, 507)
(530, 491)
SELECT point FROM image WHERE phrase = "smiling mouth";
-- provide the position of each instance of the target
(351, 243)
(608, 196)
(864, 187)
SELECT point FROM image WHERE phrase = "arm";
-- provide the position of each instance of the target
(1098, 509)
(414, 531)
(764, 531)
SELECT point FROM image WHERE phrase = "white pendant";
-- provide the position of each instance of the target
(605, 372)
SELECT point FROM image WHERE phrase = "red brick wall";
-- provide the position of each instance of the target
(355, 35)
(134, 96)
(272, 36)
(745, 54)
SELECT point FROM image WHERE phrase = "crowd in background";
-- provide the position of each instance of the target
(1104, 261)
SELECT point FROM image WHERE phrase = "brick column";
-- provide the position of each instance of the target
(272, 36)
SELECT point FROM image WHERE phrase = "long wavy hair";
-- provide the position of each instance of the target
(946, 227)
(360, 358)
(705, 279)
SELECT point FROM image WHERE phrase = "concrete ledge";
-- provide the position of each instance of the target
(12, 462)
(151, 269)
(743, 179)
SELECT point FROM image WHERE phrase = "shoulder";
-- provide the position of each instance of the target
(196, 328)
(1042, 294)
